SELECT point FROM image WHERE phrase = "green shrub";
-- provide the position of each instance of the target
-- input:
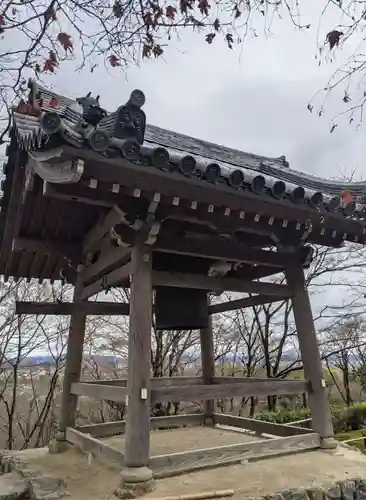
(355, 416)
(284, 416)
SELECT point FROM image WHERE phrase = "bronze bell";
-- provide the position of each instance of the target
(180, 308)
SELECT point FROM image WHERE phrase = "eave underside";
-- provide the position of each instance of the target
(43, 226)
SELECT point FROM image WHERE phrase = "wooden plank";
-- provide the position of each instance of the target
(114, 257)
(166, 278)
(232, 251)
(259, 426)
(107, 429)
(232, 305)
(67, 308)
(93, 237)
(242, 380)
(96, 448)
(204, 392)
(54, 248)
(154, 381)
(189, 461)
(105, 392)
(111, 279)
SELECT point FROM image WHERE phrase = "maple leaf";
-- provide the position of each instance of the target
(146, 50)
(204, 7)
(114, 61)
(170, 12)
(65, 41)
(216, 24)
(147, 18)
(53, 57)
(229, 40)
(237, 12)
(209, 38)
(117, 9)
(37, 68)
(49, 66)
(50, 14)
(157, 50)
(333, 38)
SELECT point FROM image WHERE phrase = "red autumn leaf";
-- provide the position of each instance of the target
(53, 57)
(148, 19)
(184, 5)
(216, 24)
(2, 20)
(209, 38)
(50, 14)
(333, 38)
(170, 12)
(65, 41)
(37, 68)
(146, 50)
(51, 63)
(229, 40)
(204, 7)
(157, 50)
(114, 61)
(53, 103)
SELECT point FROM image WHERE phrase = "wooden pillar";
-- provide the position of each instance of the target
(137, 439)
(208, 367)
(73, 365)
(318, 395)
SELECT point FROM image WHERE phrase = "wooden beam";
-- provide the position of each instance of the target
(96, 448)
(105, 392)
(107, 429)
(259, 426)
(93, 237)
(111, 279)
(67, 308)
(54, 248)
(232, 305)
(205, 392)
(178, 463)
(214, 248)
(166, 278)
(112, 258)
(154, 381)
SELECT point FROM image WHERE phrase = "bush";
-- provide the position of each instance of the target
(345, 436)
(284, 416)
(355, 416)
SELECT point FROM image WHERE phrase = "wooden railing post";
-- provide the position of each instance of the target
(73, 365)
(318, 394)
(136, 474)
(208, 367)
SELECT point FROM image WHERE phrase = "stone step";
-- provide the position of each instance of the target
(13, 487)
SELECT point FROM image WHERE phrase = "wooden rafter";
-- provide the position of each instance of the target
(112, 258)
(57, 249)
(68, 308)
(232, 305)
(107, 281)
(166, 278)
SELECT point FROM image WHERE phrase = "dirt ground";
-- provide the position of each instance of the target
(92, 479)
(172, 441)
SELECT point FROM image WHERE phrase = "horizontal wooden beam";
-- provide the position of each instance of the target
(232, 305)
(178, 463)
(154, 381)
(67, 308)
(107, 429)
(166, 278)
(204, 392)
(42, 247)
(105, 392)
(96, 448)
(111, 279)
(213, 248)
(258, 426)
(112, 258)
(93, 238)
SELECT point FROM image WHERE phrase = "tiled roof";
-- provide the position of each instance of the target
(168, 150)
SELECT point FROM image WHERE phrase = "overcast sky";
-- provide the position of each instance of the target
(252, 98)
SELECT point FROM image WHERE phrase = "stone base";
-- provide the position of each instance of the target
(56, 446)
(328, 443)
(135, 482)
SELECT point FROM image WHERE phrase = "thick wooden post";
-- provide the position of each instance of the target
(318, 395)
(73, 365)
(137, 439)
(208, 367)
